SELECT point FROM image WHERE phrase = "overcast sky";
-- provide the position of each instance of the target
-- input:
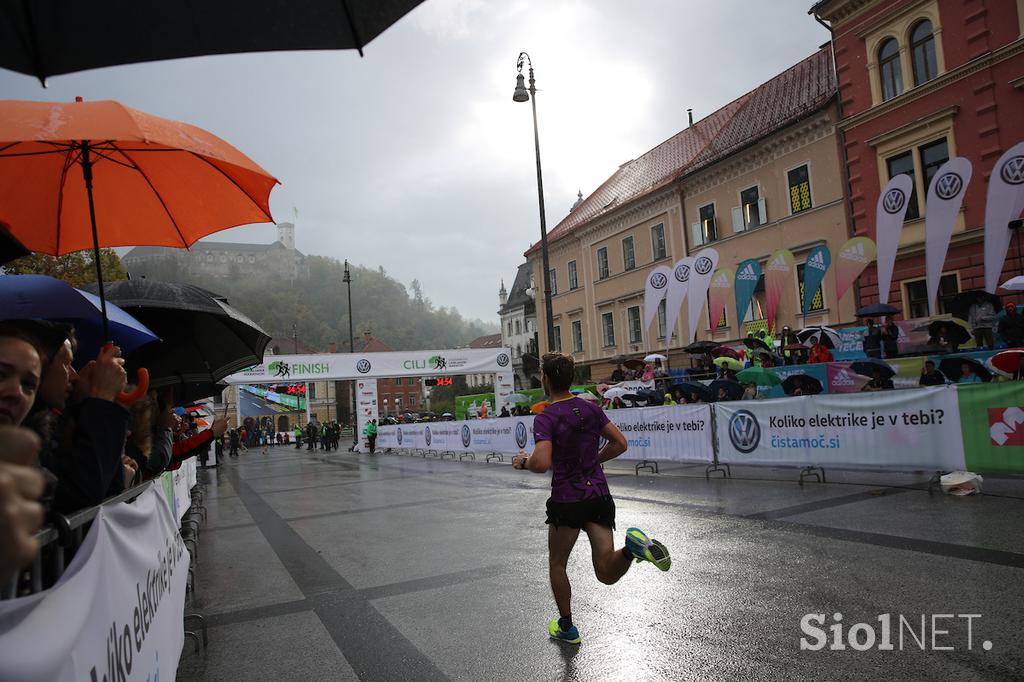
(415, 157)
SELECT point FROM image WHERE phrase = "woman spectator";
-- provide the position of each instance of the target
(967, 375)
(819, 352)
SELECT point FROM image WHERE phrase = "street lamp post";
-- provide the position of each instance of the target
(522, 94)
(347, 279)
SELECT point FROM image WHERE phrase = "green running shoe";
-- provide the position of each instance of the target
(645, 549)
(570, 636)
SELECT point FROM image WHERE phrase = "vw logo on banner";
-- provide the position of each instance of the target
(398, 435)
(467, 436)
(426, 434)
(363, 366)
(893, 201)
(703, 265)
(948, 185)
(659, 280)
(1013, 170)
(502, 359)
(683, 273)
(744, 431)
(521, 435)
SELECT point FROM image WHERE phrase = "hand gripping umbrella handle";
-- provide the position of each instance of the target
(140, 389)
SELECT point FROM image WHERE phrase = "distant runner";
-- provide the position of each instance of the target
(567, 434)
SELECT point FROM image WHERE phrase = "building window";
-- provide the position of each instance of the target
(311, 391)
(658, 242)
(752, 206)
(904, 164)
(708, 227)
(553, 280)
(633, 315)
(889, 69)
(519, 351)
(818, 303)
(519, 329)
(556, 341)
(933, 155)
(917, 296)
(922, 52)
(412, 400)
(602, 263)
(510, 327)
(628, 255)
(577, 336)
(574, 282)
(608, 328)
(799, 180)
(930, 158)
(661, 319)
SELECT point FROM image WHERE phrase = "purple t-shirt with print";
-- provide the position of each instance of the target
(574, 428)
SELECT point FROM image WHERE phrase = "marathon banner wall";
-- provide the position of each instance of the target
(177, 488)
(339, 366)
(907, 429)
(992, 425)
(679, 433)
(115, 614)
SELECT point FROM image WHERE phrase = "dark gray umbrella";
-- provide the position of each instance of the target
(877, 310)
(10, 248)
(204, 338)
(44, 38)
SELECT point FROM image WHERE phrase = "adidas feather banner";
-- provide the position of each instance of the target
(855, 255)
(748, 274)
(721, 287)
(777, 276)
(818, 261)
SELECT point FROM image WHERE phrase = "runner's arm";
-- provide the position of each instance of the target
(540, 461)
(616, 443)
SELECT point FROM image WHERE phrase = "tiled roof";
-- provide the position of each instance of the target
(795, 93)
(488, 341)
(369, 344)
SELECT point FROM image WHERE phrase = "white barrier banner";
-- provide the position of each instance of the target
(366, 409)
(915, 429)
(116, 612)
(680, 433)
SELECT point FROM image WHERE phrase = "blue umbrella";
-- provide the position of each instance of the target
(867, 368)
(48, 298)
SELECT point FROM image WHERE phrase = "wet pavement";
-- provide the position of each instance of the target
(393, 567)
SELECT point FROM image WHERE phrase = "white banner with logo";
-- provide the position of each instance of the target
(338, 366)
(917, 429)
(680, 433)
(115, 614)
(504, 386)
(1005, 203)
(945, 195)
(654, 293)
(704, 264)
(366, 409)
(678, 286)
(890, 211)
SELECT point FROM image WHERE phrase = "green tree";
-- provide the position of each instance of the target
(76, 268)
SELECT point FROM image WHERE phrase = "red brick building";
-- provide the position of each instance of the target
(395, 394)
(923, 81)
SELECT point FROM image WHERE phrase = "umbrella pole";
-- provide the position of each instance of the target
(87, 175)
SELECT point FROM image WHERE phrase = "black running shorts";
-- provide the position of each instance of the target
(599, 510)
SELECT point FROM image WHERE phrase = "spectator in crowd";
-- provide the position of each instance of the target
(890, 339)
(931, 376)
(504, 411)
(669, 400)
(659, 370)
(1011, 327)
(371, 435)
(878, 382)
(648, 374)
(22, 485)
(298, 437)
(786, 338)
(819, 352)
(20, 373)
(617, 374)
(967, 375)
(872, 342)
(233, 443)
(980, 318)
(944, 339)
(750, 392)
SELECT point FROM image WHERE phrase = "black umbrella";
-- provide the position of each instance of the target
(955, 332)
(701, 347)
(866, 368)
(205, 339)
(44, 38)
(10, 248)
(807, 384)
(702, 391)
(733, 389)
(951, 367)
(754, 343)
(961, 304)
(877, 310)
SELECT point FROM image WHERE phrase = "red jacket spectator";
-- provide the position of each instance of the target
(820, 353)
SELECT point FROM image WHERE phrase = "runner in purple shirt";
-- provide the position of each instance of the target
(568, 434)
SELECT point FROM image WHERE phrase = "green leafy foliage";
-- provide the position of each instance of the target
(75, 268)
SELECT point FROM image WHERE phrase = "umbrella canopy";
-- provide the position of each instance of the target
(866, 368)
(48, 298)
(956, 329)
(728, 363)
(795, 346)
(537, 408)
(759, 376)
(655, 357)
(1007, 362)
(828, 336)
(10, 248)
(961, 304)
(614, 392)
(516, 398)
(1013, 284)
(205, 339)
(754, 343)
(44, 38)
(733, 389)
(877, 310)
(701, 347)
(588, 396)
(633, 363)
(807, 384)
(725, 352)
(690, 387)
(951, 366)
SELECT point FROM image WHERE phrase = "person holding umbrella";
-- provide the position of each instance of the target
(878, 382)
(819, 352)
(872, 343)
(931, 376)
(890, 339)
(943, 338)
(1011, 327)
(980, 318)
(967, 375)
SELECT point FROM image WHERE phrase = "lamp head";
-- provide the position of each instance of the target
(521, 94)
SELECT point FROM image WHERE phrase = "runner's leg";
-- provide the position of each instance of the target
(610, 564)
(561, 540)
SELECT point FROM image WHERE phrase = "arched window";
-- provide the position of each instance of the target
(922, 52)
(889, 69)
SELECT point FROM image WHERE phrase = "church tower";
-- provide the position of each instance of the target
(502, 294)
(286, 235)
